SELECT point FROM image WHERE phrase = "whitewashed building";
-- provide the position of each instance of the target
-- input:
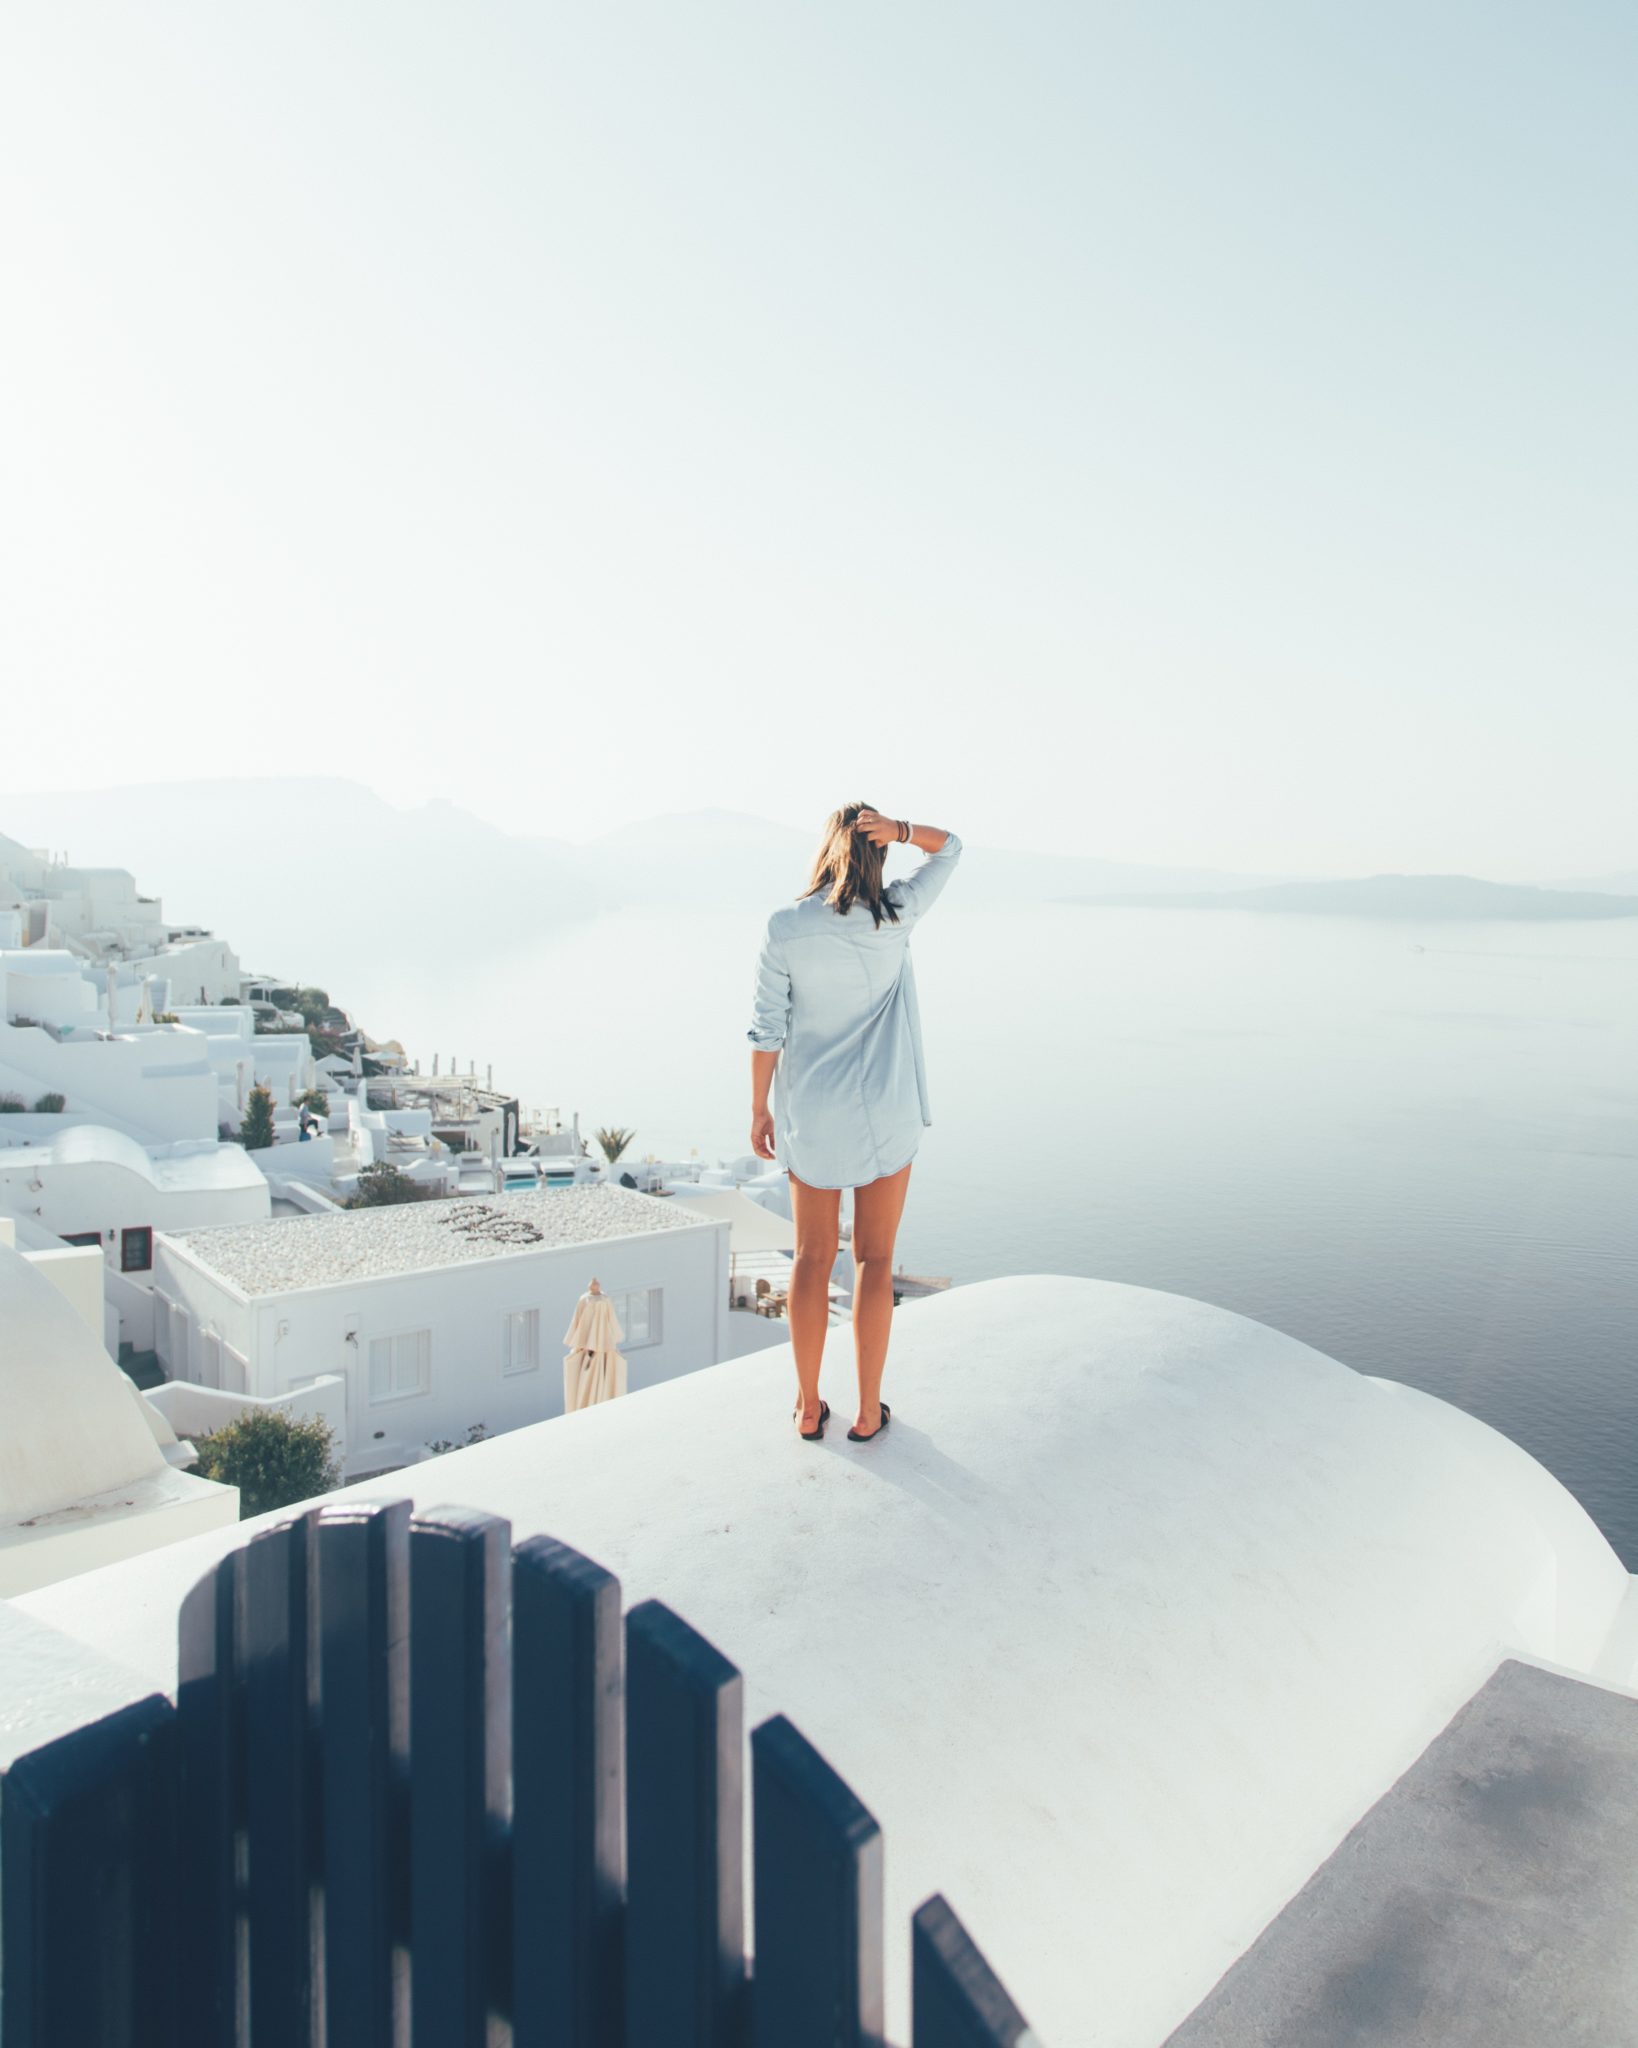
(154, 1082)
(90, 1472)
(99, 915)
(92, 1186)
(441, 1316)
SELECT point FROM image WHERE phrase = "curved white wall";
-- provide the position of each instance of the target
(68, 1428)
(1133, 1611)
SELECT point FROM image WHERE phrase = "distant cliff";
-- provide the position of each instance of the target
(1454, 898)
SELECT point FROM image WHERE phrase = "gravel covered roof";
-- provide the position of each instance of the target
(358, 1244)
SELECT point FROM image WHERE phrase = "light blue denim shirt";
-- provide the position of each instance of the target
(836, 999)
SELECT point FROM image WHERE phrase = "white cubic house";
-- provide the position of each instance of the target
(90, 1472)
(92, 1186)
(440, 1316)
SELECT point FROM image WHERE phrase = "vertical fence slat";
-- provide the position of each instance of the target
(273, 1643)
(817, 1873)
(957, 2001)
(685, 1963)
(209, 1737)
(88, 1918)
(568, 1823)
(359, 1590)
(460, 1709)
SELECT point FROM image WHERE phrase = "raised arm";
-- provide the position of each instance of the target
(912, 894)
(884, 831)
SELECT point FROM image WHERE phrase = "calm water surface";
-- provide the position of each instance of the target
(1415, 1147)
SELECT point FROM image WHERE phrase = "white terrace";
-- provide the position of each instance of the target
(1131, 1615)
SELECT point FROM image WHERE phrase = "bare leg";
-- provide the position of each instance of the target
(876, 1212)
(816, 1212)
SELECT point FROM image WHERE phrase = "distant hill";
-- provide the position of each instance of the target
(1434, 898)
(304, 872)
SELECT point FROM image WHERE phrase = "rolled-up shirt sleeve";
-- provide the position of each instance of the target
(914, 894)
(771, 1004)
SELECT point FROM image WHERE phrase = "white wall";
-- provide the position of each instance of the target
(87, 1194)
(76, 1273)
(47, 986)
(291, 1337)
(313, 1161)
(201, 1325)
(74, 1196)
(158, 1084)
(166, 1508)
(195, 964)
(1136, 1655)
(198, 1411)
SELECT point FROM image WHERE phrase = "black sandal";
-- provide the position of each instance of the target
(854, 1437)
(811, 1436)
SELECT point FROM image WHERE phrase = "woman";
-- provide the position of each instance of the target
(835, 1020)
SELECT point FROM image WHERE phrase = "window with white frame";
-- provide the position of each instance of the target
(520, 1340)
(638, 1313)
(400, 1366)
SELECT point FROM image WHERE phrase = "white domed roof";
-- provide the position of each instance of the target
(1132, 1612)
(68, 1425)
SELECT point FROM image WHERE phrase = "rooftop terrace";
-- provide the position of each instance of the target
(358, 1244)
(1137, 1610)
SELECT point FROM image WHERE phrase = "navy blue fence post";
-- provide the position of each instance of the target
(279, 1787)
(88, 1917)
(685, 1902)
(358, 1560)
(460, 1750)
(817, 1871)
(957, 2001)
(211, 1774)
(568, 1821)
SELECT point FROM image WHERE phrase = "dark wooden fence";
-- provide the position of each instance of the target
(421, 1788)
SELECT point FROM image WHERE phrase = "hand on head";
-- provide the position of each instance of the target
(878, 830)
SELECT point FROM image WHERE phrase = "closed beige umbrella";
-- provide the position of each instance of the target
(593, 1369)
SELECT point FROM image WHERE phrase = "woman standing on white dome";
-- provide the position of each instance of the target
(836, 1035)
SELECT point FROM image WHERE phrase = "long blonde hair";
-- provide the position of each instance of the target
(848, 867)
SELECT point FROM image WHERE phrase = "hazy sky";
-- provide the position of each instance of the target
(1188, 433)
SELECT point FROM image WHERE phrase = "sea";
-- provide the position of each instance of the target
(1414, 1146)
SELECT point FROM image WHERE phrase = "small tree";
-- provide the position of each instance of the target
(256, 1132)
(614, 1141)
(11, 1105)
(51, 1105)
(380, 1185)
(313, 1003)
(314, 1099)
(274, 1459)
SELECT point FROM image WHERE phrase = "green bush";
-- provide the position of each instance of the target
(11, 1105)
(256, 1132)
(51, 1105)
(380, 1185)
(314, 1098)
(274, 1459)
